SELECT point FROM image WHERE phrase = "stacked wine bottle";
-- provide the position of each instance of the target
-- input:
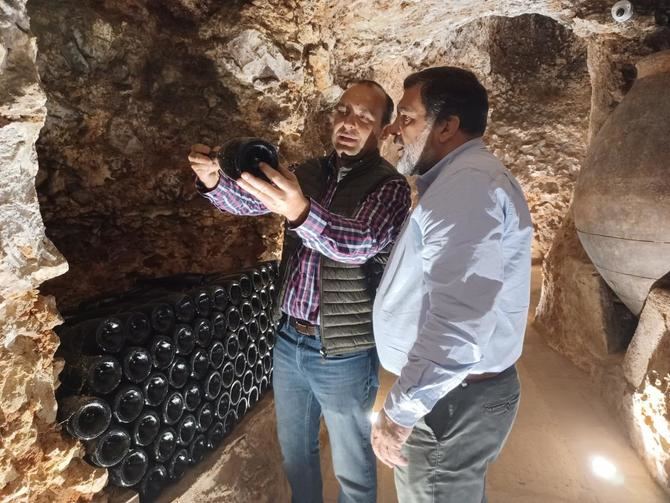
(156, 377)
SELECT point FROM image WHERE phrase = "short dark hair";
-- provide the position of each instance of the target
(449, 91)
(389, 106)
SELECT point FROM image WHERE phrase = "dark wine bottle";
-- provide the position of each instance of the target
(217, 355)
(153, 482)
(162, 352)
(155, 389)
(232, 346)
(99, 374)
(240, 365)
(271, 338)
(186, 430)
(223, 405)
(263, 386)
(219, 297)
(259, 372)
(197, 449)
(263, 322)
(235, 392)
(137, 327)
(109, 448)
(227, 375)
(252, 355)
(266, 275)
(247, 381)
(229, 421)
(85, 417)
(243, 337)
(263, 346)
(241, 408)
(145, 428)
(178, 464)
(215, 435)
(127, 404)
(246, 286)
(256, 304)
(199, 364)
(234, 291)
(254, 330)
(184, 306)
(184, 339)
(203, 303)
(218, 323)
(192, 396)
(131, 469)
(202, 329)
(173, 408)
(252, 397)
(92, 337)
(265, 298)
(204, 417)
(233, 318)
(246, 311)
(164, 445)
(136, 364)
(161, 315)
(267, 363)
(273, 291)
(213, 385)
(178, 373)
(256, 280)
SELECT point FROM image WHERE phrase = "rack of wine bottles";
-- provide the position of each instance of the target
(157, 376)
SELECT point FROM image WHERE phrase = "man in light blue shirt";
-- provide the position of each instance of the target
(450, 312)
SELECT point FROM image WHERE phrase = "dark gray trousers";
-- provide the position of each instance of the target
(450, 449)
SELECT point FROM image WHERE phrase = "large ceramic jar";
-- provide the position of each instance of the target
(622, 197)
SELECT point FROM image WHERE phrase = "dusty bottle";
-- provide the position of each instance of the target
(131, 469)
(233, 318)
(227, 374)
(247, 381)
(235, 392)
(94, 336)
(252, 355)
(155, 389)
(162, 352)
(153, 482)
(162, 316)
(202, 329)
(178, 373)
(197, 449)
(215, 434)
(127, 404)
(256, 303)
(217, 355)
(267, 363)
(259, 373)
(273, 292)
(254, 330)
(256, 280)
(164, 445)
(199, 364)
(234, 291)
(240, 365)
(241, 408)
(213, 385)
(218, 323)
(192, 396)
(203, 303)
(223, 405)
(263, 386)
(229, 421)
(246, 286)
(243, 337)
(136, 364)
(145, 428)
(219, 297)
(85, 417)
(99, 374)
(173, 408)
(183, 339)
(266, 275)
(263, 348)
(271, 338)
(178, 464)
(204, 417)
(263, 322)
(109, 448)
(137, 327)
(186, 430)
(252, 397)
(246, 311)
(232, 346)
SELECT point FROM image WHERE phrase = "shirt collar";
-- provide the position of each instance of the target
(424, 181)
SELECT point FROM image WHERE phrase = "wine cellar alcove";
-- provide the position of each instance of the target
(101, 100)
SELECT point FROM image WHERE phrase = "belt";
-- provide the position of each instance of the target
(303, 327)
(473, 378)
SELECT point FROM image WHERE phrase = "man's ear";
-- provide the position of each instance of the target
(447, 128)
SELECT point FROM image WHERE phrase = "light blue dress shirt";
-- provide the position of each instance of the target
(454, 296)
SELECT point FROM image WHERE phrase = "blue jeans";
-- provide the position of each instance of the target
(343, 390)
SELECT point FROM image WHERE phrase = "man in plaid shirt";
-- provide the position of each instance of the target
(312, 376)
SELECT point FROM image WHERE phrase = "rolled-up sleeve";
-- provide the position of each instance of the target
(461, 230)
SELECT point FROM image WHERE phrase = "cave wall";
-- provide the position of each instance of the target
(36, 462)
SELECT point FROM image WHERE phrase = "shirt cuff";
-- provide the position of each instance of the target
(402, 409)
(314, 224)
